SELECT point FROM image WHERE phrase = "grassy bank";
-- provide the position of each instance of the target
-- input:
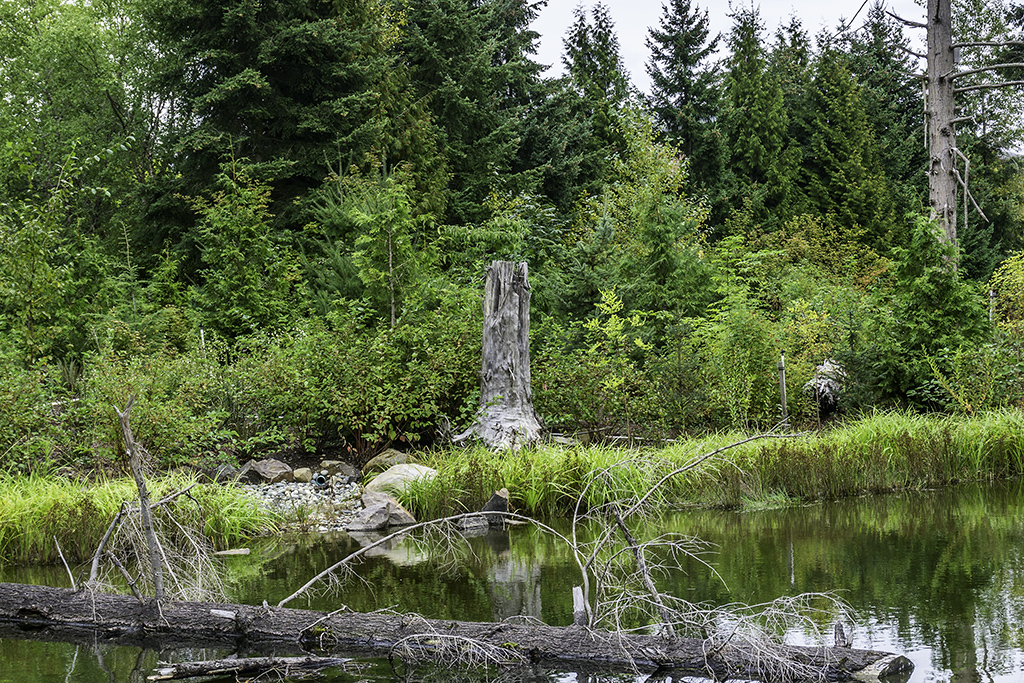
(882, 452)
(35, 509)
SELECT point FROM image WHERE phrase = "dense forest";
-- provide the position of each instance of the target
(270, 221)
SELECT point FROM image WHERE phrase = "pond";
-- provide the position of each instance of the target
(935, 575)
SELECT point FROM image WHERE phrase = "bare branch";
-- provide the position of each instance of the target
(349, 559)
(907, 22)
(135, 463)
(988, 86)
(66, 567)
(989, 43)
(1007, 65)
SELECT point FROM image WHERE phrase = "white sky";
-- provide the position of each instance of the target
(633, 17)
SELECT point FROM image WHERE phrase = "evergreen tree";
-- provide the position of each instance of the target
(591, 57)
(684, 90)
(470, 61)
(755, 125)
(840, 169)
(791, 63)
(289, 86)
(891, 99)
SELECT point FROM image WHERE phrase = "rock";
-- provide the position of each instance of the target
(473, 526)
(272, 470)
(397, 478)
(247, 475)
(498, 502)
(379, 512)
(373, 518)
(399, 516)
(337, 468)
(389, 458)
(303, 475)
(374, 498)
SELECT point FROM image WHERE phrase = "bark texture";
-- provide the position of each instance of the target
(506, 418)
(44, 613)
(248, 666)
(941, 110)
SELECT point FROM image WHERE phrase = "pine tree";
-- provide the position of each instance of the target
(289, 87)
(592, 57)
(470, 61)
(790, 62)
(684, 93)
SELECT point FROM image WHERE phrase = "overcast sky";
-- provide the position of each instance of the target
(633, 17)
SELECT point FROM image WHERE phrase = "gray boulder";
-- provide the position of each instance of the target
(398, 477)
(272, 471)
(380, 511)
(389, 458)
(337, 468)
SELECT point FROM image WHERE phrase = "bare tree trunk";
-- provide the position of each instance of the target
(44, 613)
(135, 463)
(941, 110)
(506, 418)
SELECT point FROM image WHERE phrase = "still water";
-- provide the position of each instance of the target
(936, 575)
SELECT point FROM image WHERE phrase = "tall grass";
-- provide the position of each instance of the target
(35, 508)
(885, 451)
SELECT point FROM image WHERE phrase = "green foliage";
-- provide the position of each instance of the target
(41, 506)
(246, 273)
(755, 125)
(353, 385)
(840, 163)
(593, 378)
(177, 415)
(684, 97)
(931, 307)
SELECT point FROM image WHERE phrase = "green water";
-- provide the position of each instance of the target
(937, 576)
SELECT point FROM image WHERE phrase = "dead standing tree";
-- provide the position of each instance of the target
(944, 176)
(506, 418)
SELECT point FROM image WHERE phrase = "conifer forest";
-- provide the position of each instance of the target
(270, 220)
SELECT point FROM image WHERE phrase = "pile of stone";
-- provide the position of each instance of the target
(331, 497)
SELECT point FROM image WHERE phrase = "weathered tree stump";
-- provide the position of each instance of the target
(506, 418)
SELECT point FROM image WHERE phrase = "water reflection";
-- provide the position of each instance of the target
(934, 575)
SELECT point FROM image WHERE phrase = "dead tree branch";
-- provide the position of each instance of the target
(248, 666)
(135, 463)
(988, 86)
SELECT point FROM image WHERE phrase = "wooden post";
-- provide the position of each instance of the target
(782, 387)
(506, 418)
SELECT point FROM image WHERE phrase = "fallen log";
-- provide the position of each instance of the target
(45, 613)
(246, 666)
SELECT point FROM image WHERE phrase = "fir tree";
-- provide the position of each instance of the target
(289, 87)
(471, 62)
(755, 126)
(684, 93)
(591, 57)
(840, 167)
(891, 98)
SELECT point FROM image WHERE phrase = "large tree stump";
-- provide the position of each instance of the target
(506, 418)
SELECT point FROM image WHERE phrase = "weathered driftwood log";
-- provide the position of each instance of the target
(506, 418)
(245, 666)
(44, 613)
